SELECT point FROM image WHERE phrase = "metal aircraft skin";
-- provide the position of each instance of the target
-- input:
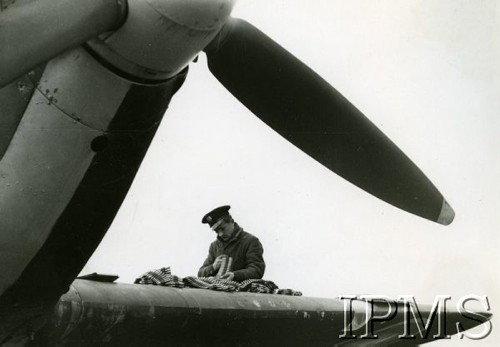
(80, 104)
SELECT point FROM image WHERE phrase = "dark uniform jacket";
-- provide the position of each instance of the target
(246, 251)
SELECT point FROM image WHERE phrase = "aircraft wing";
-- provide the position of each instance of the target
(97, 312)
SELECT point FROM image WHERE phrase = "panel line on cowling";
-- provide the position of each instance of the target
(52, 101)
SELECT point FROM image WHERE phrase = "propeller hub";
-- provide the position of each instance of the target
(199, 15)
(160, 37)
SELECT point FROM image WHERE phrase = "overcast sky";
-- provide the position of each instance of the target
(425, 72)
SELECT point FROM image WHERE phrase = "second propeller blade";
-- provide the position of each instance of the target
(306, 110)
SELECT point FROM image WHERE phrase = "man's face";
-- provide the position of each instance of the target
(224, 230)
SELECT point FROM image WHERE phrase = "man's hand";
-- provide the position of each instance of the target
(218, 261)
(227, 276)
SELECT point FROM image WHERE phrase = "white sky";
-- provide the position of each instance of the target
(425, 72)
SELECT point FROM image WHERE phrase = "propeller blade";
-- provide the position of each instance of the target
(35, 32)
(302, 107)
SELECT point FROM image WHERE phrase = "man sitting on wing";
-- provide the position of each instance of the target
(238, 252)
